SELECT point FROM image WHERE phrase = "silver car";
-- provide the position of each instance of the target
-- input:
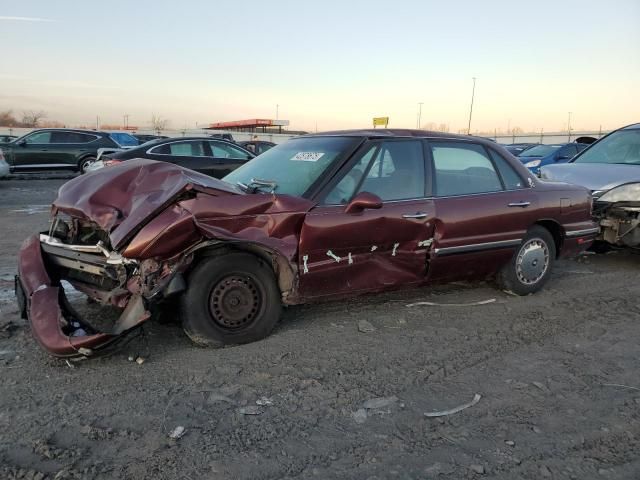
(610, 168)
(4, 166)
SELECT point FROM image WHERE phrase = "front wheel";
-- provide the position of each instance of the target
(230, 299)
(530, 267)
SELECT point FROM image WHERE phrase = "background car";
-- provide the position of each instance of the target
(67, 149)
(216, 157)
(540, 155)
(517, 148)
(7, 138)
(610, 168)
(257, 146)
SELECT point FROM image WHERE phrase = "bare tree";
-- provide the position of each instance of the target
(8, 120)
(443, 127)
(158, 123)
(32, 117)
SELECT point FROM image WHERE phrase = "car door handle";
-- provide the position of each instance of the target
(520, 204)
(415, 215)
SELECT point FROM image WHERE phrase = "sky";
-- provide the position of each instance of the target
(327, 64)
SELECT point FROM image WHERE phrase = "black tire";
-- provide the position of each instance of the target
(230, 299)
(524, 274)
(85, 162)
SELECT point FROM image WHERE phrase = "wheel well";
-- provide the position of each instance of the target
(556, 231)
(285, 275)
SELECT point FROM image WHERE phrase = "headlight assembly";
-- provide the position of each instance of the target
(532, 163)
(624, 193)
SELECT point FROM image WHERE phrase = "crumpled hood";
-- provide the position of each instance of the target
(594, 176)
(122, 198)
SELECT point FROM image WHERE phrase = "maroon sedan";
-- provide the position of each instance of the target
(321, 216)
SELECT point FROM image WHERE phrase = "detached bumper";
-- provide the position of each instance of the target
(44, 304)
(576, 241)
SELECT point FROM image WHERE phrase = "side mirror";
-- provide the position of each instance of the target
(363, 201)
(22, 143)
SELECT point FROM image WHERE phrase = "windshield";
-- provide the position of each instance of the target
(622, 146)
(295, 165)
(124, 139)
(539, 151)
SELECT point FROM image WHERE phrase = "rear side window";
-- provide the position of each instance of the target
(180, 149)
(510, 177)
(71, 137)
(463, 169)
(224, 150)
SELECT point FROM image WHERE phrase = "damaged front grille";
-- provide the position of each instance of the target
(74, 231)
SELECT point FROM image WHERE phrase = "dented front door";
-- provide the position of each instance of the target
(371, 249)
(367, 251)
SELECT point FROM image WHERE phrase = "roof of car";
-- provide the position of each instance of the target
(634, 126)
(396, 132)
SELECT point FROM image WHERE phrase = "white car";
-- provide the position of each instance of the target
(4, 166)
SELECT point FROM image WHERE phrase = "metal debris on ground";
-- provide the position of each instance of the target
(380, 402)
(250, 410)
(360, 415)
(264, 401)
(470, 304)
(69, 364)
(442, 413)
(177, 432)
(140, 360)
(365, 327)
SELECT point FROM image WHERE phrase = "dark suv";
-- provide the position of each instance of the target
(49, 149)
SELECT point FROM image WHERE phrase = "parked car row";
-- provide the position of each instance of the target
(78, 150)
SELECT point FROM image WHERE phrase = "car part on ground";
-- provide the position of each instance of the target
(610, 168)
(318, 217)
(213, 157)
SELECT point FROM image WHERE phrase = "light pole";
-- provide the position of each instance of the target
(473, 91)
(419, 114)
(277, 111)
(569, 128)
(125, 120)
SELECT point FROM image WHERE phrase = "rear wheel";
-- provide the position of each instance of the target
(85, 163)
(230, 299)
(530, 267)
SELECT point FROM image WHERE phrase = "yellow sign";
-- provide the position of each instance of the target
(380, 121)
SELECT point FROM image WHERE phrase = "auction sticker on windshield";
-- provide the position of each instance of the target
(308, 156)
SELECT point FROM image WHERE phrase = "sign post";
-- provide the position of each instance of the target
(380, 121)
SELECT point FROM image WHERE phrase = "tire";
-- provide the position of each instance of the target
(230, 299)
(524, 273)
(85, 163)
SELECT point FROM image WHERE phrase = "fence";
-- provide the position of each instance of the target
(546, 138)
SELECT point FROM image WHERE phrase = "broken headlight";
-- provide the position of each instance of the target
(624, 193)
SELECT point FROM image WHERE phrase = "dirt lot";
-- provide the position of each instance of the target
(545, 366)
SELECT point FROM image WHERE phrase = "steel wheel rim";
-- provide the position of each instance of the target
(532, 262)
(235, 302)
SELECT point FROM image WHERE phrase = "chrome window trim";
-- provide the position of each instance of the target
(441, 252)
(584, 232)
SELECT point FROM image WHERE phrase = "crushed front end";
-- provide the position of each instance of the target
(78, 253)
(617, 211)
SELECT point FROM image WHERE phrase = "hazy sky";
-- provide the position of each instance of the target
(337, 63)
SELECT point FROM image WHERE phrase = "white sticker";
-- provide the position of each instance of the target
(308, 156)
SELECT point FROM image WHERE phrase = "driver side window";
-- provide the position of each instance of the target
(38, 138)
(391, 170)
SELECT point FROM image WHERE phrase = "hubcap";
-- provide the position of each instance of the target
(86, 164)
(532, 261)
(235, 302)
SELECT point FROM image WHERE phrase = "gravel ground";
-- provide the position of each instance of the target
(557, 373)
